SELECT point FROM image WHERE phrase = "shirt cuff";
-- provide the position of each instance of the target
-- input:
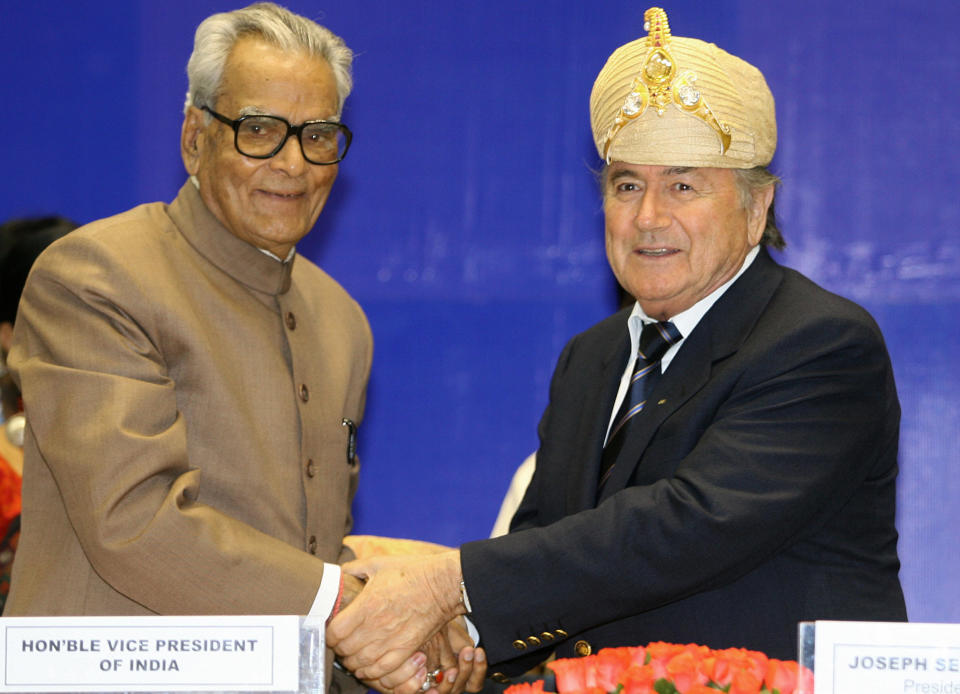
(329, 590)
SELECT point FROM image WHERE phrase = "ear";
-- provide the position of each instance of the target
(191, 139)
(757, 214)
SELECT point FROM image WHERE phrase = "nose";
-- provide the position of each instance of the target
(290, 157)
(651, 211)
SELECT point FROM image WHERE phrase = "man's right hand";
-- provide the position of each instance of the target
(451, 651)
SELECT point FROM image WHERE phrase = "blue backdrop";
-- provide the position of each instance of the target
(467, 222)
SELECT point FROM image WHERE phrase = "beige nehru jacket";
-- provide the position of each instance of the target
(184, 394)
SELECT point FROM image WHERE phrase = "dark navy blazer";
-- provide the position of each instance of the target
(756, 491)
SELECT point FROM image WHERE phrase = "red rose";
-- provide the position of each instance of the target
(638, 679)
(781, 675)
(610, 663)
(526, 688)
(756, 662)
(684, 670)
(719, 667)
(659, 654)
(723, 665)
(745, 682)
(572, 674)
(787, 676)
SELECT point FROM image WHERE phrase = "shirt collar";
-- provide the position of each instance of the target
(687, 320)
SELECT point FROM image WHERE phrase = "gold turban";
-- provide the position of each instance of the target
(675, 101)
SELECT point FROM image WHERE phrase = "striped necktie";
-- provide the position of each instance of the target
(655, 340)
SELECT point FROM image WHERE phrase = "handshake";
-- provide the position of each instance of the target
(400, 628)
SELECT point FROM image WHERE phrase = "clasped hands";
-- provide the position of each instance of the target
(400, 628)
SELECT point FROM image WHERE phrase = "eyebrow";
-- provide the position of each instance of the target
(257, 111)
(253, 111)
(619, 173)
(668, 171)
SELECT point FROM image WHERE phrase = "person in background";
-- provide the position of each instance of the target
(515, 491)
(21, 241)
(717, 461)
(193, 385)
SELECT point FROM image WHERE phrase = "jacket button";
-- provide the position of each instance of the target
(311, 468)
(304, 392)
(561, 633)
(582, 648)
(520, 645)
(291, 320)
(546, 636)
(500, 677)
(533, 641)
(312, 544)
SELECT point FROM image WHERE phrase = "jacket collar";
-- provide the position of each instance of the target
(719, 334)
(244, 262)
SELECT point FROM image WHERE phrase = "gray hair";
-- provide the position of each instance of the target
(268, 22)
(749, 181)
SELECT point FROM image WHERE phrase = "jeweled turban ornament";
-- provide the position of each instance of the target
(659, 85)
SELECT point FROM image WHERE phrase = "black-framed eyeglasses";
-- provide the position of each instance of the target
(322, 142)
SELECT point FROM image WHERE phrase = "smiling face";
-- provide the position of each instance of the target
(674, 234)
(270, 203)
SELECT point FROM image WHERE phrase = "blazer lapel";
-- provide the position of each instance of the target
(718, 334)
(601, 392)
(676, 386)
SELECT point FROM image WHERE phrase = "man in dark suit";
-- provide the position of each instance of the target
(717, 462)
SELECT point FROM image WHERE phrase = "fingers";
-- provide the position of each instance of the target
(446, 664)
(414, 685)
(370, 669)
(467, 675)
(362, 568)
(457, 635)
(478, 675)
(458, 676)
(364, 546)
(351, 587)
(412, 673)
(343, 624)
(470, 673)
(446, 656)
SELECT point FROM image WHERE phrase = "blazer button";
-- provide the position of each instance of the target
(311, 468)
(520, 645)
(582, 648)
(561, 633)
(291, 320)
(304, 392)
(312, 545)
(533, 641)
(499, 677)
(546, 636)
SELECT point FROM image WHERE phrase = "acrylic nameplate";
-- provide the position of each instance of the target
(886, 658)
(150, 654)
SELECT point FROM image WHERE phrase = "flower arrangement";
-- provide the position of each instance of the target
(668, 668)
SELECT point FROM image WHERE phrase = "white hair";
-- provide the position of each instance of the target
(268, 22)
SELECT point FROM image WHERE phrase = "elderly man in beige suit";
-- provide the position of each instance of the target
(193, 385)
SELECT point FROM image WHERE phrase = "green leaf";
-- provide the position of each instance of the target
(664, 686)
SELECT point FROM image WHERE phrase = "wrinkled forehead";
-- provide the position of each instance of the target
(261, 79)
